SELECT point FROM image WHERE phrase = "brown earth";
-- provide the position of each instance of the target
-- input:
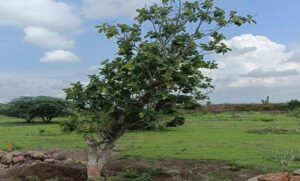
(176, 169)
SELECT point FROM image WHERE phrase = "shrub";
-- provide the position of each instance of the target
(177, 121)
(293, 104)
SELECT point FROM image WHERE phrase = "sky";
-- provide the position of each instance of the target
(45, 45)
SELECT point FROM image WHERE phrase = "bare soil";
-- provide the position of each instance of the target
(76, 171)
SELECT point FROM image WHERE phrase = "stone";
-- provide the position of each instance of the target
(81, 162)
(69, 160)
(59, 157)
(18, 159)
(282, 176)
(255, 178)
(7, 159)
(2, 167)
(173, 172)
(36, 155)
(16, 153)
(2, 153)
(297, 172)
(295, 178)
(49, 160)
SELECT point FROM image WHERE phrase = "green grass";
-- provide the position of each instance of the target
(223, 136)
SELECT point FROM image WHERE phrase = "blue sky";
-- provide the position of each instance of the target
(47, 44)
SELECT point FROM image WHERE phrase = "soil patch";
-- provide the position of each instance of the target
(170, 169)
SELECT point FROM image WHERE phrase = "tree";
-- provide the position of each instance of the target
(158, 67)
(48, 108)
(29, 108)
(21, 108)
(293, 104)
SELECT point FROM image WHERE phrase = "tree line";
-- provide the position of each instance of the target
(43, 107)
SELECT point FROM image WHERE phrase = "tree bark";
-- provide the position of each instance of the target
(97, 158)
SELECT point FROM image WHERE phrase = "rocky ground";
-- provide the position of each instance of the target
(71, 166)
(282, 176)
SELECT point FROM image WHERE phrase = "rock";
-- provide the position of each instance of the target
(81, 162)
(2, 167)
(36, 155)
(283, 176)
(173, 172)
(255, 178)
(1, 153)
(297, 172)
(18, 159)
(16, 153)
(59, 157)
(68, 161)
(49, 160)
(7, 159)
(295, 178)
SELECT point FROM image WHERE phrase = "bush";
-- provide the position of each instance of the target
(177, 121)
(293, 104)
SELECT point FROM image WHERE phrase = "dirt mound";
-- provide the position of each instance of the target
(43, 171)
(70, 166)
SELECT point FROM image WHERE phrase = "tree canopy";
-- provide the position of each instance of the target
(43, 107)
(158, 68)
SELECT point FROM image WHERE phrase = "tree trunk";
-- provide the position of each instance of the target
(97, 158)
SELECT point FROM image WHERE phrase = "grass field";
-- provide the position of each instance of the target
(261, 140)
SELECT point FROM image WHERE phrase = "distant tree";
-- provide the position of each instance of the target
(293, 104)
(43, 107)
(22, 107)
(267, 101)
(48, 108)
(158, 68)
(2, 108)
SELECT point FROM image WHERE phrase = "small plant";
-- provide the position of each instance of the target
(212, 176)
(10, 146)
(287, 159)
(267, 119)
(41, 131)
(131, 174)
(32, 178)
(293, 104)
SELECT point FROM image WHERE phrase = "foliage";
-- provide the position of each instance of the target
(48, 108)
(2, 108)
(177, 121)
(293, 104)
(245, 107)
(267, 101)
(158, 67)
(21, 108)
(29, 108)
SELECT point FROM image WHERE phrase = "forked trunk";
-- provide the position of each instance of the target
(97, 158)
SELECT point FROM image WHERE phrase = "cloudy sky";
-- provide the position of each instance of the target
(47, 44)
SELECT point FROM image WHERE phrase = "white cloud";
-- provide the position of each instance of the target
(16, 85)
(46, 23)
(49, 14)
(112, 8)
(46, 38)
(256, 63)
(59, 56)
